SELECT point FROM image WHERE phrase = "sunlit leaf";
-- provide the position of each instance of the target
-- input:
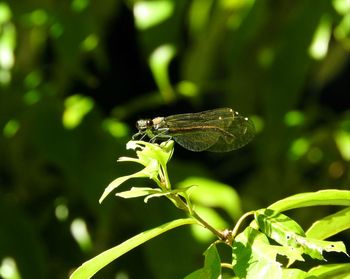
(136, 192)
(91, 267)
(278, 226)
(150, 155)
(120, 180)
(330, 225)
(286, 231)
(323, 197)
(331, 271)
(315, 247)
(212, 267)
(252, 256)
(150, 151)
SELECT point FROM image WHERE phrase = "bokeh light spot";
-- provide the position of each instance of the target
(33, 79)
(150, 13)
(187, 88)
(336, 169)
(116, 128)
(31, 97)
(61, 212)
(294, 118)
(258, 123)
(341, 6)
(11, 128)
(7, 46)
(8, 269)
(76, 107)
(319, 45)
(5, 76)
(342, 139)
(342, 31)
(121, 275)
(90, 42)
(315, 155)
(5, 13)
(266, 57)
(56, 30)
(79, 5)
(298, 148)
(80, 233)
(38, 17)
(159, 63)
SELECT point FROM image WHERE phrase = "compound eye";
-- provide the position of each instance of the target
(149, 123)
(141, 124)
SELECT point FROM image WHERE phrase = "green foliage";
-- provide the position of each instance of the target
(253, 255)
(211, 268)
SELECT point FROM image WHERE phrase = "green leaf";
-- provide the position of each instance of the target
(252, 256)
(151, 156)
(315, 247)
(212, 265)
(334, 271)
(330, 225)
(287, 232)
(136, 192)
(174, 192)
(89, 268)
(278, 226)
(291, 253)
(293, 273)
(152, 151)
(323, 197)
(120, 180)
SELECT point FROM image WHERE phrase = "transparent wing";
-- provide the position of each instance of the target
(218, 130)
(196, 141)
(221, 117)
(241, 132)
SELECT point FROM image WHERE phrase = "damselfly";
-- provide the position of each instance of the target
(217, 130)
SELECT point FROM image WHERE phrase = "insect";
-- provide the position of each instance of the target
(217, 130)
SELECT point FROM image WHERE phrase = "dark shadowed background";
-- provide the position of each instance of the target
(75, 75)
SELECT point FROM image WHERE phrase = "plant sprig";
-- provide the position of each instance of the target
(252, 252)
(154, 158)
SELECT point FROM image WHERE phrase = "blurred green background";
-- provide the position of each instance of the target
(75, 75)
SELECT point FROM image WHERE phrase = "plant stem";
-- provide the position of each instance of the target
(166, 177)
(184, 206)
(238, 224)
(220, 235)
